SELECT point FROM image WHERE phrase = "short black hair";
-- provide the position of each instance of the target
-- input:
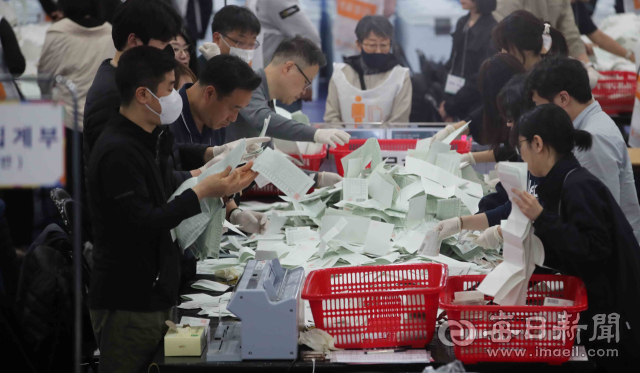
(79, 9)
(232, 17)
(302, 49)
(486, 6)
(379, 25)
(555, 128)
(494, 74)
(522, 31)
(512, 99)
(141, 66)
(147, 19)
(556, 74)
(226, 73)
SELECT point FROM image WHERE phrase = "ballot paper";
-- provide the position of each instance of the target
(434, 189)
(449, 162)
(368, 153)
(380, 190)
(330, 235)
(210, 285)
(456, 133)
(283, 174)
(354, 233)
(263, 133)
(299, 255)
(448, 208)
(436, 149)
(417, 356)
(430, 244)
(297, 234)
(417, 209)
(378, 241)
(411, 241)
(233, 227)
(354, 190)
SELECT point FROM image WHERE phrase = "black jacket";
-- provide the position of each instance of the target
(136, 263)
(586, 234)
(479, 47)
(103, 101)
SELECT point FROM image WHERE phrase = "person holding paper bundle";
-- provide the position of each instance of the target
(583, 229)
(135, 278)
(523, 36)
(565, 82)
(371, 86)
(208, 107)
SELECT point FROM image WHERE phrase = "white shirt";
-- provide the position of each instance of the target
(608, 160)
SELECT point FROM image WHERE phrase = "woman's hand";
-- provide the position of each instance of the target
(528, 204)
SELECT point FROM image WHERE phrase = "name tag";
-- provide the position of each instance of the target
(454, 84)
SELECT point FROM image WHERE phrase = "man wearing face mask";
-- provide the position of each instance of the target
(234, 30)
(135, 277)
(208, 107)
(371, 86)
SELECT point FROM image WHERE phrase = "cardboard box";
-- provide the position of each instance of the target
(187, 341)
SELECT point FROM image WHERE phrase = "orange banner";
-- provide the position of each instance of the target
(356, 9)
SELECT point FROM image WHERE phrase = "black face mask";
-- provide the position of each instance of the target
(379, 62)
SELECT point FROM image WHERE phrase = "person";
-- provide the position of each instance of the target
(184, 75)
(471, 47)
(371, 86)
(136, 22)
(208, 107)
(294, 66)
(522, 35)
(184, 51)
(583, 229)
(12, 62)
(599, 38)
(512, 102)
(234, 30)
(565, 82)
(135, 277)
(557, 12)
(74, 47)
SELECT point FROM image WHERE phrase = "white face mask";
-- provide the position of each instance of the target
(245, 54)
(170, 105)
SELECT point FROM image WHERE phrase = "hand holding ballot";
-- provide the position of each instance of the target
(226, 183)
(491, 238)
(528, 204)
(219, 152)
(331, 136)
(448, 228)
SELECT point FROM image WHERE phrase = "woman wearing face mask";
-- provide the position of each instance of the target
(584, 231)
(371, 86)
(471, 46)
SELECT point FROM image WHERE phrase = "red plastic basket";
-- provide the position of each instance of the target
(312, 162)
(616, 91)
(377, 306)
(461, 146)
(475, 328)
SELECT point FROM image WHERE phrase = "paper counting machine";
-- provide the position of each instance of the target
(267, 301)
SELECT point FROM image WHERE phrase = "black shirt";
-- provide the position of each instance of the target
(583, 18)
(13, 58)
(136, 263)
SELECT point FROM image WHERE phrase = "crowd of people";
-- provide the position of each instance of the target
(155, 114)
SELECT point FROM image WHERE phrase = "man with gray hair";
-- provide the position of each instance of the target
(295, 64)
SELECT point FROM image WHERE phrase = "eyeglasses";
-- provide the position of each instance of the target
(518, 146)
(242, 45)
(376, 47)
(305, 77)
(178, 49)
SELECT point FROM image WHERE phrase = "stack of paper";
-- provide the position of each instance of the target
(508, 282)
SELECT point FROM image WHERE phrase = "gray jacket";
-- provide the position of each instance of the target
(251, 119)
(608, 160)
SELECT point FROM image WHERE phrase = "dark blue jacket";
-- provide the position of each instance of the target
(184, 128)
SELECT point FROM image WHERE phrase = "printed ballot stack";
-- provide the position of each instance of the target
(508, 283)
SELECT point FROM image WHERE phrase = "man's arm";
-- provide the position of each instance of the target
(567, 25)
(605, 42)
(401, 109)
(279, 126)
(291, 20)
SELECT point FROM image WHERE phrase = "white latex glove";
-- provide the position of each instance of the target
(253, 144)
(468, 157)
(326, 179)
(594, 75)
(490, 238)
(448, 228)
(209, 50)
(250, 221)
(443, 133)
(331, 136)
